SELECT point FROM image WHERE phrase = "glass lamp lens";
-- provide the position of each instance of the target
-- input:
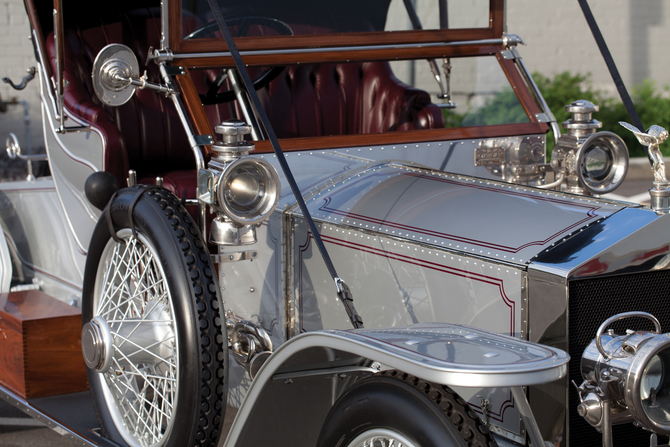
(244, 189)
(597, 163)
(651, 377)
(655, 389)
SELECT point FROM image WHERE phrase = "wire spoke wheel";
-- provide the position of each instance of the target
(153, 337)
(134, 300)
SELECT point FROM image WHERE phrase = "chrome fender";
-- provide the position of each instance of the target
(294, 390)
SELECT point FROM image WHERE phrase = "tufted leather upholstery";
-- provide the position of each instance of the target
(144, 132)
(341, 99)
(304, 101)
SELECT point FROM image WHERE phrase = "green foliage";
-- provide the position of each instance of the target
(652, 105)
(503, 108)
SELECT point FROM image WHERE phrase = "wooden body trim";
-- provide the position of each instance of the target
(180, 45)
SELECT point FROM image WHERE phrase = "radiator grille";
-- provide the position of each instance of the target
(591, 302)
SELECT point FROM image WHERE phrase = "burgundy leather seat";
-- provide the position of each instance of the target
(145, 134)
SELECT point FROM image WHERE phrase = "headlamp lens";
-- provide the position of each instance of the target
(248, 190)
(651, 378)
(597, 163)
(245, 189)
(654, 389)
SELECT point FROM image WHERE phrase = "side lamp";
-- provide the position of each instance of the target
(626, 379)
(242, 190)
(586, 161)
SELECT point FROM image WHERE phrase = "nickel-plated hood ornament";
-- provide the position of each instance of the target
(660, 193)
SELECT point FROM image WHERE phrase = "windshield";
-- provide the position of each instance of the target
(309, 100)
(343, 16)
(332, 69)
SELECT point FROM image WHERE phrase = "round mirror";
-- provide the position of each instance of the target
(113, 68)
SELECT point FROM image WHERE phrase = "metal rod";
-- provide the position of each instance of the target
(607, 423)
(527, 415)
(401, 46)
(559, 179)
(60, 54)
(245, 105)
(536, 92)
(199, 159)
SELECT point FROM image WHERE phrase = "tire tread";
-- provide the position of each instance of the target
(470, 427)
(196, 257)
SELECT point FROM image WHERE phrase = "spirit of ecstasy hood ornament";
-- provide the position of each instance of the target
(660, 193)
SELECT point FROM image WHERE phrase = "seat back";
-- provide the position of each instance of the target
(146, 134)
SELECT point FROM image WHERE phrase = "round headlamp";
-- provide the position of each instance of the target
(648, 392)
(248, 190)
(602, 163)
(632, 372)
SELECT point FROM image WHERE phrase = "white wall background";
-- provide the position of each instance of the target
(16, 54)
(637, 32)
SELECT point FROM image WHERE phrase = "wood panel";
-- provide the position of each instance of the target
(334, 40)
(40, 345)
(194, 107)
(497, 23)
(521, 90)
(340, 56)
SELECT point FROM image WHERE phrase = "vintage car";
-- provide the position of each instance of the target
(325, 223)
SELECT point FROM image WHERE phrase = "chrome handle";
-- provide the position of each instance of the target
(618, 317)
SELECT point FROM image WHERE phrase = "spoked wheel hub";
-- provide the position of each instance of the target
(96, 344)
(142, 339)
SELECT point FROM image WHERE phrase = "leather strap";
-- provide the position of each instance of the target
(108, 213)
(141, 190)
(345, 296)
(611, 66)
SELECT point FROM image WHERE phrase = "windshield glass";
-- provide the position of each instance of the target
(480, 90)
(420, 76)
(309, 100)
(320, 16)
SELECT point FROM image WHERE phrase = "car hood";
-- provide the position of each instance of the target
(500, 221)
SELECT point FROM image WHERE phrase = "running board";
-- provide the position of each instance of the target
(70, 415)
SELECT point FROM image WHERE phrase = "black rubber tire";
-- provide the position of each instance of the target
(427, 414)
(198, 314)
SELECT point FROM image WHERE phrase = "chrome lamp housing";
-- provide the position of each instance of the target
(627, 378)
(242, 190)
(588, 162)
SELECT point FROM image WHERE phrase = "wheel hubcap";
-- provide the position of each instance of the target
(96, 344)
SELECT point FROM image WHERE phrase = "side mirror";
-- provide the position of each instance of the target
(114, 69)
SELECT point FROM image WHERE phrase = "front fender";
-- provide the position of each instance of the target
(294, 390)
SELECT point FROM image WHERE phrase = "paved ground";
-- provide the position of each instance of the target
(633, 191)
(19, 430)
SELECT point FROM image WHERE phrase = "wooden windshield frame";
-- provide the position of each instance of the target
(180, 45)
(195, 54)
